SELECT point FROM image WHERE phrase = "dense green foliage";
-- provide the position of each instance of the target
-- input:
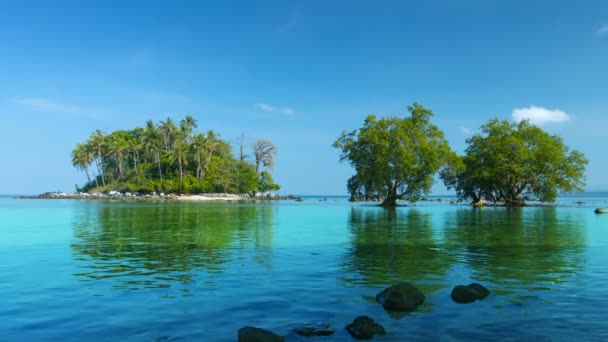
(509, 162)
(393, 157)
(172, 158)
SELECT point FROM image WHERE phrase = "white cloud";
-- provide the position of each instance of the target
(465, 130)
(273, 109)
(602, 31)
(43, 105)
(540, 115)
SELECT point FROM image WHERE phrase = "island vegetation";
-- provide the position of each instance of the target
(172, 157)
(507, 163)
(395, 158)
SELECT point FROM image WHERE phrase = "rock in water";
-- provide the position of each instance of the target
(364, 328)
(468, 294)
(400, 297)
(601, 211)
(483, 291)
(253, 334)
(314, 330)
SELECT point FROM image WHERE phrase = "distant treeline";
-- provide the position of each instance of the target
(172, 157)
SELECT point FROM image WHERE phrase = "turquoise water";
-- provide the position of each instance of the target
(112, 271)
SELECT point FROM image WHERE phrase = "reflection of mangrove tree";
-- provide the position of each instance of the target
(153, 245)
(392, 245)
(529, 246)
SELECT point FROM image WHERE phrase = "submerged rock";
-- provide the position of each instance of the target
(364, 328)
(400, 297)
(253, 334)
(468, 294)
(316, 329)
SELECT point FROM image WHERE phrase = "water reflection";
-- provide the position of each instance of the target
(395, 245)
(534, 247)
(152, 246)
(512, 249)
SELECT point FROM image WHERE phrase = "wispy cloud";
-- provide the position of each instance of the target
(44, 105)
(602, 31)
(465, 130)
(51, 107)
(540, 115)
(274, 109)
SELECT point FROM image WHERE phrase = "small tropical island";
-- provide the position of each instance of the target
(170, 157)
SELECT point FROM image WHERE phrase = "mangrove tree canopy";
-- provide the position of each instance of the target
(395, 158)
(509, 162)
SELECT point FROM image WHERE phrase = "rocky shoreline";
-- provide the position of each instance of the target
(154, 196)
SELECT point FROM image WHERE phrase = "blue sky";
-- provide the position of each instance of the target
(297, 73)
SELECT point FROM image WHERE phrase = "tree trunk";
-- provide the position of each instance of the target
(390, 200)
(135, 159)
(515, 199)
(181, 173)
(120, 167)
(160, 171)
(475, 197)
(86, 170)
(100, 166)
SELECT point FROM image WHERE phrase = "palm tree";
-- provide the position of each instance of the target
(91, 152)
(151, 142)
(199, 146)
(82, 159)
(167, 131)
(187, 125)
(117, 147)
(134, 147)
(96, 143)
(179, 154)
(264, 152)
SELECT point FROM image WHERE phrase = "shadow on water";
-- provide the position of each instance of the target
(156, 246)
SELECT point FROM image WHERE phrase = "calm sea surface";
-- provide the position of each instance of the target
(111, 271)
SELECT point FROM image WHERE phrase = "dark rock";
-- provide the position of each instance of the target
(364, 328)
(322, 329)
(299, 199)
(253, 334)
(483, 291)
(400, 297)
(468, 294)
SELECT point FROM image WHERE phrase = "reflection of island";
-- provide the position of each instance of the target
(157, 245)
(394, 245)
(530, 246)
